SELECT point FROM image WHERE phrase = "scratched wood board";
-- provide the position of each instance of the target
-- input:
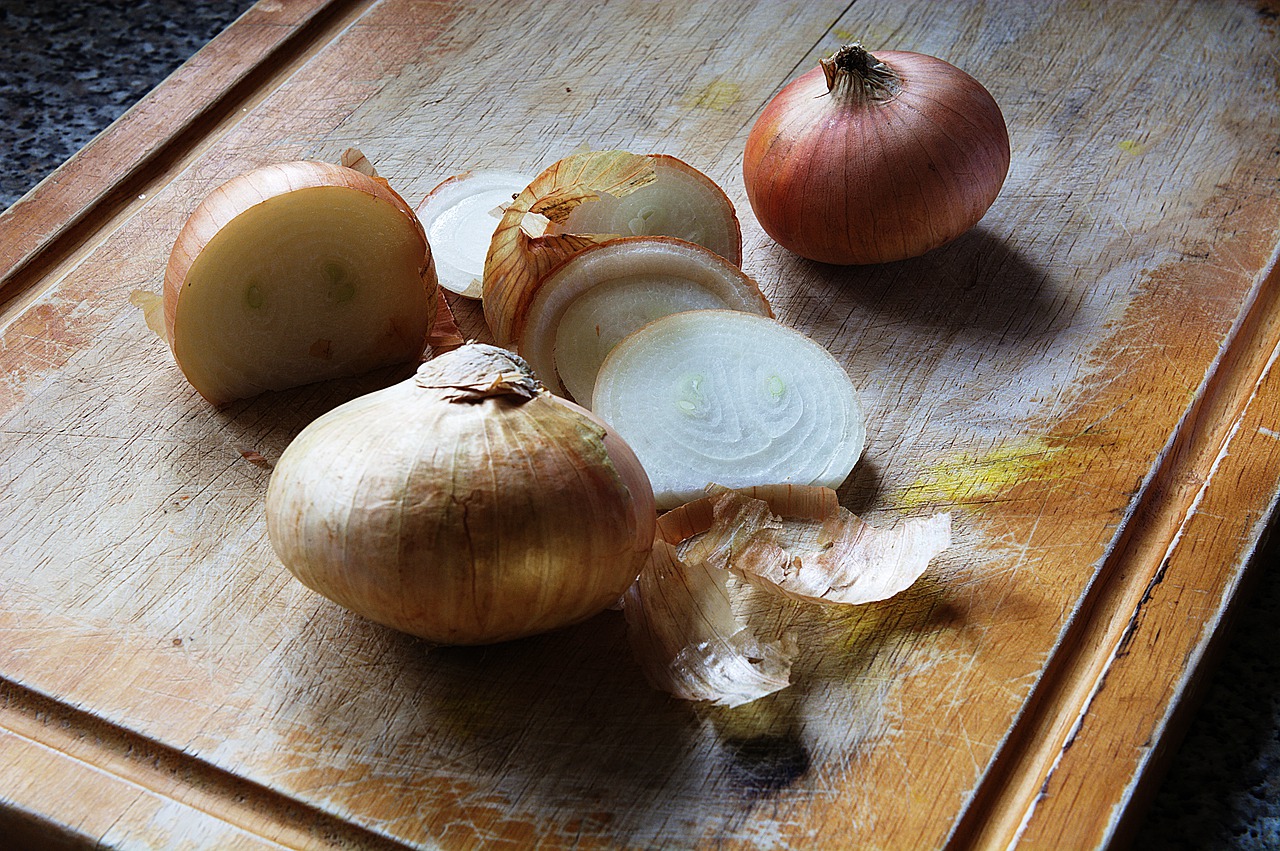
(1084, 381)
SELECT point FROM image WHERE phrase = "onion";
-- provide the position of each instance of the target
(869, 159)
(588, 304)
(729, 398)
(295, 273)
(466, 505)
(460, 216)
(550, 221)
(680, 201)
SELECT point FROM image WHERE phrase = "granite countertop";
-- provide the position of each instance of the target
(70, 68)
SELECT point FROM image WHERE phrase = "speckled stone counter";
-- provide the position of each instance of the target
(70, 68)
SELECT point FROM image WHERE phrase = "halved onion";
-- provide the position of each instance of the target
(588, 304)
(685, 620)
(295, 273)
(537, 232)
(730, 398)
(459, 217)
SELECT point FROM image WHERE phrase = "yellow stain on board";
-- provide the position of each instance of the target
(717, 96)
(976, 478)
(1130, 146)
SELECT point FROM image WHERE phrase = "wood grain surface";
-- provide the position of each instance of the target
(1085, 380)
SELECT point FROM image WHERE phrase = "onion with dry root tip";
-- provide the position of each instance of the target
(295, 273)
(869, 159)
(588, 198)
(465, 505)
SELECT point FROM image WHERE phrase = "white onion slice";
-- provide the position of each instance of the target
(599, 296)
(730, 398)
(460, 216)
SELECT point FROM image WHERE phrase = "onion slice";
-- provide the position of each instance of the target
(788, 541)
(539, 230)
(591, 302)
(295, 273)
(460, 216)
(681, 202)
(725, 397)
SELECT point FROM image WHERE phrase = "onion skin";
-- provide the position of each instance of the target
(466, 505)
(865, 173)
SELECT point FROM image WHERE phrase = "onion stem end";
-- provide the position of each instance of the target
(853, 71)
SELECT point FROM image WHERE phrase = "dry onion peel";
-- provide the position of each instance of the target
(152, 307)
(465, 505)
(295, 273)
(460, 216)
(601, 295)
(790, 541)
(869, 159)
(534, 235)
(688, 640)
(726, 397)
(802, 543)
(445, 335)
(354, 159)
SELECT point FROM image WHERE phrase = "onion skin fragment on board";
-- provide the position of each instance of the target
(792, 541)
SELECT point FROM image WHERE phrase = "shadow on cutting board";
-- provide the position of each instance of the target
(562, 730)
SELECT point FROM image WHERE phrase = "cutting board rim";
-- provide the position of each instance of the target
(47, 229)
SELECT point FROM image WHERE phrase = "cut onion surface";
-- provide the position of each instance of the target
(296, 273)
(551, 220)
(460, 216)
(601, 295)
(730, 398)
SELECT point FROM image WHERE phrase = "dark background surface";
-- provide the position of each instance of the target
(70, 68)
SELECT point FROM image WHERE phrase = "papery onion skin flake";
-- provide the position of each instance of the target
(689, 632)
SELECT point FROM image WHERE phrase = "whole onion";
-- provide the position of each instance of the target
(870, 159)
(465, 505)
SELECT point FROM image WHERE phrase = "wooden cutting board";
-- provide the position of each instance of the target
(1085, 380)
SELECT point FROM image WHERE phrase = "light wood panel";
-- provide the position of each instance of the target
(1085, 380)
